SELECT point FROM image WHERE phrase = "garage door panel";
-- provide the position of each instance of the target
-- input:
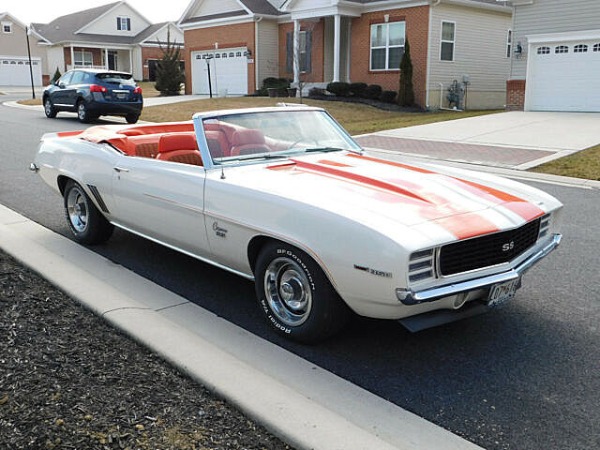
(228, 72)
(14, 71)
(563, 81)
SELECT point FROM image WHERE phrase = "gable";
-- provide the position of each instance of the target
(209, 8)
(106, 24)
(162, 34)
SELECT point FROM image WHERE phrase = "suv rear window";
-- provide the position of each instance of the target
(122, 78)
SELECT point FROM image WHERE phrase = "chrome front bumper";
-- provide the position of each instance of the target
(410, 297)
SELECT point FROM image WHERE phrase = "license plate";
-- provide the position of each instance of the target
(503, 292)
(121, 96)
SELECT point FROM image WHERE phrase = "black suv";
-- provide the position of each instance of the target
(93, 93)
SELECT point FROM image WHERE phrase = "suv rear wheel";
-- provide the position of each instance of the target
(83, 114)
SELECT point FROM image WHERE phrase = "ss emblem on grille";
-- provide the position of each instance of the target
(508, 246)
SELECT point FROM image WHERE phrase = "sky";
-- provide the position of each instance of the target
(44, 11)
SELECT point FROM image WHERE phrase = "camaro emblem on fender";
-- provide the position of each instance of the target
(220, 232)
(379, 273)
(508, 246)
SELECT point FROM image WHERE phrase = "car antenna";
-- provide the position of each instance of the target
(222, 173)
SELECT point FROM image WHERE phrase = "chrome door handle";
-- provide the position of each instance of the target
(121, 169)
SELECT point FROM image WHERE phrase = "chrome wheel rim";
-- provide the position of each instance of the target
(288, 291)
(48, 107)
(77, 209)
(81, 111)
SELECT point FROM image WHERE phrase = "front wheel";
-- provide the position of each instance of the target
(85, 221)
(49, 108)
(296, 297)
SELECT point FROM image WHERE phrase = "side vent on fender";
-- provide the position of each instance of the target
(96, 193)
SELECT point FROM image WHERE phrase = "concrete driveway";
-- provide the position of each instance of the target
(510, 139)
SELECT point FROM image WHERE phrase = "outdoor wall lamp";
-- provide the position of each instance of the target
(518, 49)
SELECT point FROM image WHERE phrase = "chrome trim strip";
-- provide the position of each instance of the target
(410, 297)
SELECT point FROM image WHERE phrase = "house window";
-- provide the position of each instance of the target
(387, 45)
(6, 27)
(304, 51)
(123, 24)
(83, 58)
(580, 48)
(543, 50)
(561, 49)
(447, 44)
(508, 43)
(597, 47)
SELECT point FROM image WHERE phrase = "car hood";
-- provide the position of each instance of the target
(382, 193)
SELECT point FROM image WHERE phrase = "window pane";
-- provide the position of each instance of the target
(378, 59)
(397, 33)
(447, 51)
(447, 31)
(378, 35)
(395, 57)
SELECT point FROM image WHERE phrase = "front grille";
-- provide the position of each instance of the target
(487, 250)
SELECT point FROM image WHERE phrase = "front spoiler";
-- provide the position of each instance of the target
(410, 297)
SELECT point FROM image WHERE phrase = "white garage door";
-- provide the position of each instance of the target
(228, 72)
(14, 71)
(563, 76)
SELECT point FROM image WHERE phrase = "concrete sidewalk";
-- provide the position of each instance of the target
(517, 140)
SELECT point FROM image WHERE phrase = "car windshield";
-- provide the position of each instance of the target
(273, 134)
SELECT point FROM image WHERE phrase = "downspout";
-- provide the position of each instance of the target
(433, 4)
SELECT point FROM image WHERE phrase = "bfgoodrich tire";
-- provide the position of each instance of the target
(87, 224)
(295, 296)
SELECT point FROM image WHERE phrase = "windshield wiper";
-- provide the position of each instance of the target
(324, 149)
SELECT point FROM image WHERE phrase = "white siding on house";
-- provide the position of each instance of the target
(56, 60)
(550, 16)
(479, 53)
(266, 58)
(107, 24)
(210, 7)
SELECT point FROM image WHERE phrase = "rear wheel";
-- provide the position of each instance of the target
(49, 108)
(83, 113)
(85, 221)
(132, 118)
(296, 297)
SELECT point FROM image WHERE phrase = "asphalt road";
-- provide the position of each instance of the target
(524, 377)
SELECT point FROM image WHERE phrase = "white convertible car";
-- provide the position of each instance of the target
(285, 197)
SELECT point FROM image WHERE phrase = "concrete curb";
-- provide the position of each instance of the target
(306, 406)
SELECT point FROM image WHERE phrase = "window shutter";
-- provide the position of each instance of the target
(289, 55)
(308, 67)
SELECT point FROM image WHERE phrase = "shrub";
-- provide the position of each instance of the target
(281, 84)
(339, 88)
(56, 76)
(357, 89)
(316, 92)
(406, 92)
(169, 73)
(372, 92)
(388, 96)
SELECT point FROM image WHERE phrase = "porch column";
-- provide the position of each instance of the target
(336, 46)
(72, 58)
(106, 58)
(296, 52)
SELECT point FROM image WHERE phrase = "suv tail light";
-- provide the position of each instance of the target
(137, 90)
(97, 88)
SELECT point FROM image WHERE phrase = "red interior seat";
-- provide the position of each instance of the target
(179, 147)
(247, 142)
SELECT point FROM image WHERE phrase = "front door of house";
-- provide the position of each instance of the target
(112, 60)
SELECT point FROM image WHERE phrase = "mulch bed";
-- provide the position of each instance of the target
(68, 380)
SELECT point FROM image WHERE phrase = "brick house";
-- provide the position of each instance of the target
(556, 57)
(113, 36)
(242, 42)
